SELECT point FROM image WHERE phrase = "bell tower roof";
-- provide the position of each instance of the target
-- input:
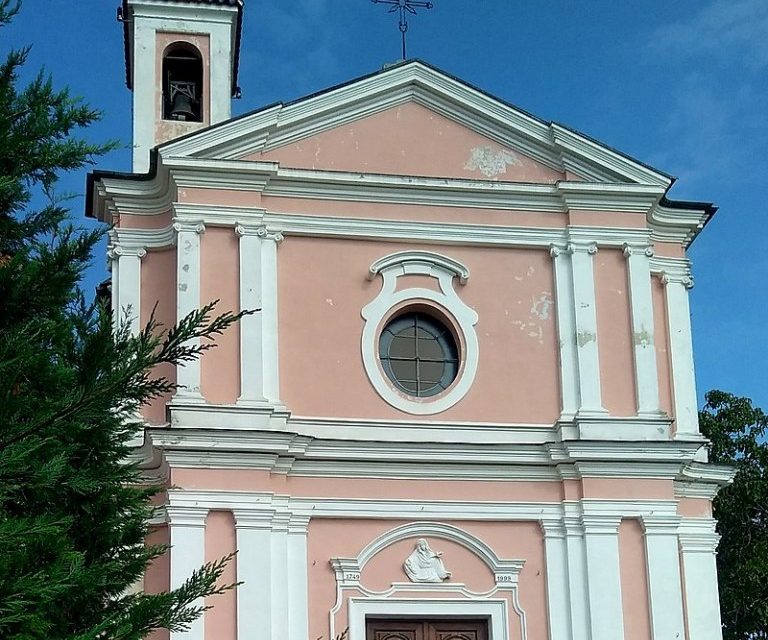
(124, 14)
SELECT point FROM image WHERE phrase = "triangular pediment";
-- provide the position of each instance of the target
(410, 139)
(412, 119)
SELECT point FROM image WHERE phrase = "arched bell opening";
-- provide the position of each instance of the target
(183, 83)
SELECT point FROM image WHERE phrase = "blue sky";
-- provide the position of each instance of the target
(680, 85)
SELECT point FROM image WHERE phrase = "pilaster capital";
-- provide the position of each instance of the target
(601, 524)
(253, 518)
(589, 248)
(698, 535)
(244, 229)
(556, 250)
(117, 251)
(553, 529)
(186, 516)
(188, 226)
(298, 524)
(663, 525)
(630, 250)
(685, 279)
(260, 231)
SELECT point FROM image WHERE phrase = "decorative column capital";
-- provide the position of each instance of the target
(556, 250)
(684, 279)
(553, 528)
(589, 248)
(254, 519)
(116, 251)
(260, 231)
(186, 516)
(601, 524)
(190, 226)
(660, 524)
(698, 535)
(630, 250)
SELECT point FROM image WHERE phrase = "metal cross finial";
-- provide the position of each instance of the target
(404, 7)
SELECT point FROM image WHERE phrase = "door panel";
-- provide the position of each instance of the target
(426, 630)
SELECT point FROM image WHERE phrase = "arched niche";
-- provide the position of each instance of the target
(182, 83)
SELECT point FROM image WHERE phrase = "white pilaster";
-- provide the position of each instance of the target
(187, 529)
(681, 353)
(259, 364)
(558, 603)
(585, 313)
(566, 328)
(578, 594)
(188, 299)
(279, 574)
(606, 615)
(298, 587)
(664, 589)
(698, 544)
(254, 571)
(644, 348)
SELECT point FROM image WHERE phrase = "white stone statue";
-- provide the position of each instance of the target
(425, 565)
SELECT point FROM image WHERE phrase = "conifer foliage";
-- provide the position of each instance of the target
(73, 512)
(737, 432)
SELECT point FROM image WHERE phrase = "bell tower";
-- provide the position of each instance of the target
(181, 61)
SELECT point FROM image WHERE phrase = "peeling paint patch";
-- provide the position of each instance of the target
(541, 306)
(642, 339)
(491, 163)
(585, 337)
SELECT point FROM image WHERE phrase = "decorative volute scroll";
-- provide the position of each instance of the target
(425, 565)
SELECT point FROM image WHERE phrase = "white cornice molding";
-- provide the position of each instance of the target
(343, 226)
(675, 225)
(580, 152)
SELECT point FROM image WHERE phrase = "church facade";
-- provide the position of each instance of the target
(465, 407)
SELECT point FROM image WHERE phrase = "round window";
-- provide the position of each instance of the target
(419, 354)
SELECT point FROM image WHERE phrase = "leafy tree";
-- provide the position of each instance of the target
(737, 432)
(73, 513)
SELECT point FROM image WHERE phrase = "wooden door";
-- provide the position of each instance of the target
(426, 630)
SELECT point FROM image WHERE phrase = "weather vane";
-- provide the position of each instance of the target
(404, 7)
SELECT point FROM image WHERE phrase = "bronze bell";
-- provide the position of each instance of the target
(182, 101)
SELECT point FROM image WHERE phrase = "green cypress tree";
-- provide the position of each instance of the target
(73, 512)
(738, 434)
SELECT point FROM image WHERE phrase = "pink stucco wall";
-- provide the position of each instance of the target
(158, 292)
(157, 578)
(220, 541)
(661, 340)
(220, 280)
(614, 333)
(410, 139)
(634, 581)
(323, 286)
